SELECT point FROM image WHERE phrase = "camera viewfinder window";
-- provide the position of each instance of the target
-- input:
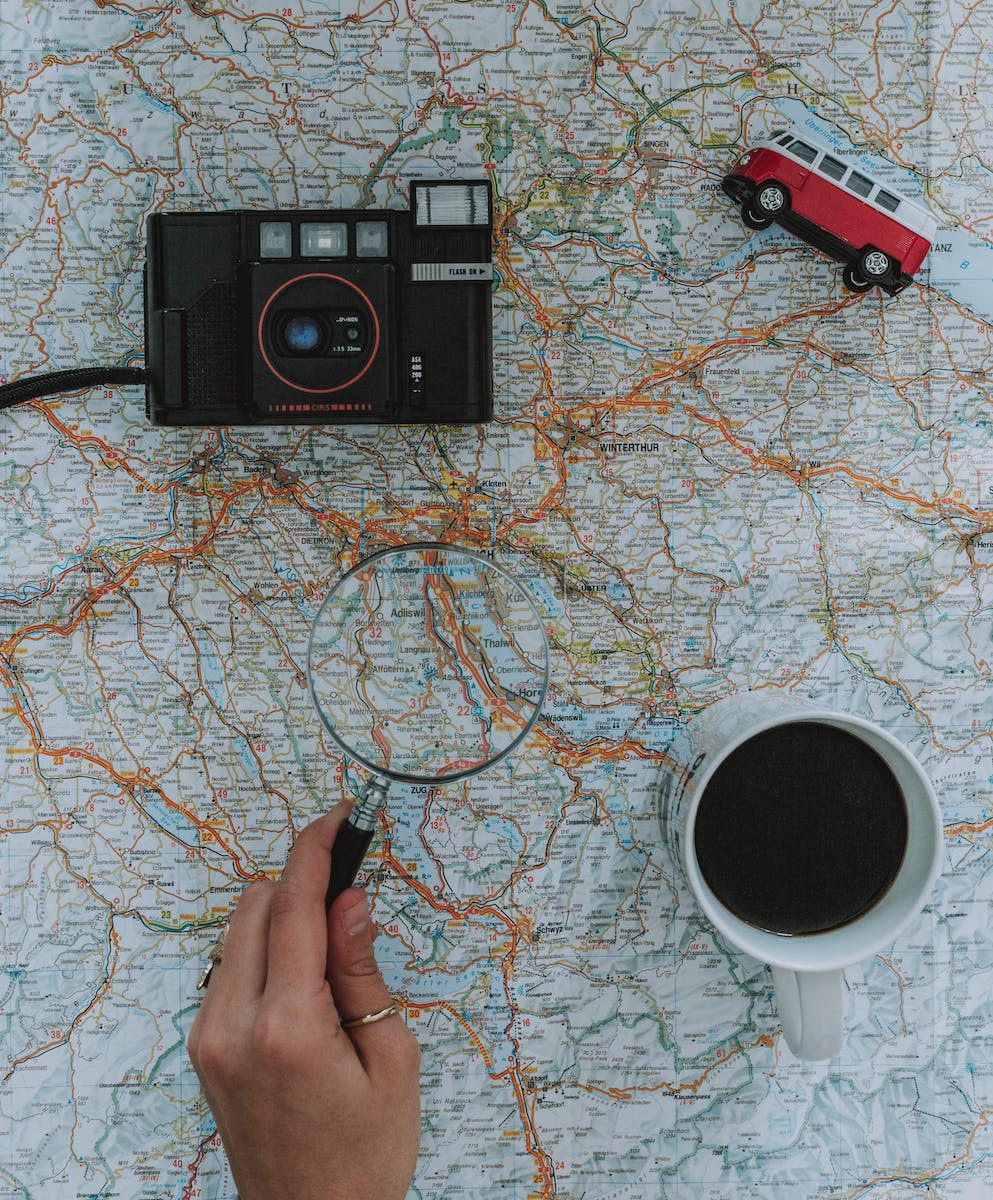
(324, 239)
(275, 239)
(371, 239)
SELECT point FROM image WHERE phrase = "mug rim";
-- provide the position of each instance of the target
(841, 945)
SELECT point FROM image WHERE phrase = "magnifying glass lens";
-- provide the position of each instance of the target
(428, 663)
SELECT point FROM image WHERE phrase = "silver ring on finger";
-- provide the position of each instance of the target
(371, 1018)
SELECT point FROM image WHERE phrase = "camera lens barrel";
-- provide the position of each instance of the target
(319, 333)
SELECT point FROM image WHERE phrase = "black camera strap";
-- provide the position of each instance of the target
(33, 387)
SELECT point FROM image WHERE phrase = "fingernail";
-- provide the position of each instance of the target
(357, 920)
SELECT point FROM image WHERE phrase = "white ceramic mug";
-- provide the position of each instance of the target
(807, 969)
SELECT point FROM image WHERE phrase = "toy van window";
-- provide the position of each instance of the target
(785, 140)
(887, 200)
(858, 184)
(803, 151)
(832, 168)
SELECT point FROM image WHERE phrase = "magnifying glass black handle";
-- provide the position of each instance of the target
(347, 854)
(353, 838)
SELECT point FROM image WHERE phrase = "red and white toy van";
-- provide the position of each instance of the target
(793, 177)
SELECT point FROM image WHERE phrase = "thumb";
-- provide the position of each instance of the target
(352, 971)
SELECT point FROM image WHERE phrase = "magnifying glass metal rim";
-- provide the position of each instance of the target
(452, 549)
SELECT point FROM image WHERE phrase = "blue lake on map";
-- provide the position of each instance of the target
(171, 819)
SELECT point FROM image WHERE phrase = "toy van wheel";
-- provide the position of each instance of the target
(752, 218)
(771, 199)
(875, 265)
(854, 281)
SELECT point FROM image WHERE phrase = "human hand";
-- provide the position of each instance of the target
(306, 1109)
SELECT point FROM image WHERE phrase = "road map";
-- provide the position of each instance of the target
(714, 467)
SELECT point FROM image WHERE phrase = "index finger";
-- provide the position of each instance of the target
(298, 927)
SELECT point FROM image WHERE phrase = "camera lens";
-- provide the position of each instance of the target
(302, 334)
(318, 332)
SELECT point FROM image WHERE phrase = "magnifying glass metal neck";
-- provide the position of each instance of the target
(370, 803)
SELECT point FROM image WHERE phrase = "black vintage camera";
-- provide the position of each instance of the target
(345, 315)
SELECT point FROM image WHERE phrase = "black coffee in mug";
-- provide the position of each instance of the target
(801, 829)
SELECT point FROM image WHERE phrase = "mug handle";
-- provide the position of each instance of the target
(809, 1005)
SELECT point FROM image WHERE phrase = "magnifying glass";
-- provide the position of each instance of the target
(427, 664)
